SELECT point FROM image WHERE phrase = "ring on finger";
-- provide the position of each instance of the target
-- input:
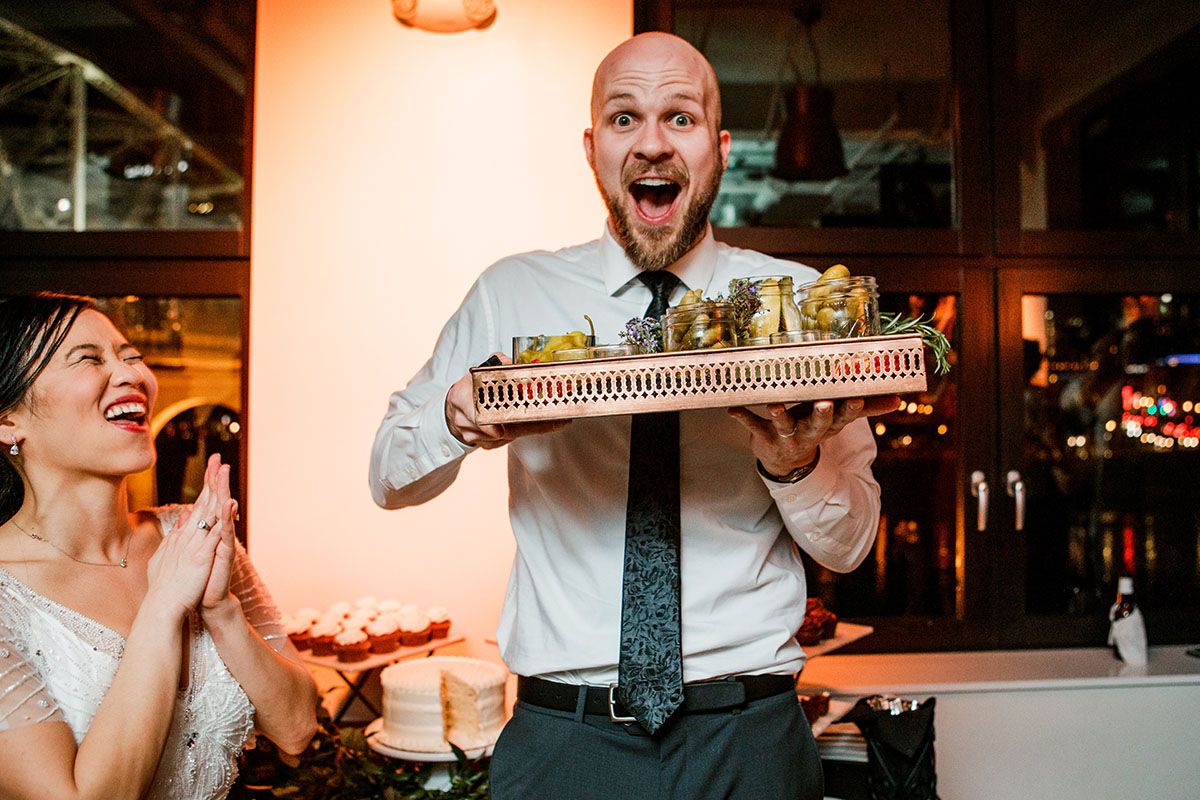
(789, 435)
(203, 525)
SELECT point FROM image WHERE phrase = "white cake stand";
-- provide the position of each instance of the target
(377, 743)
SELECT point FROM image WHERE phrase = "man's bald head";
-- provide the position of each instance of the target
(656, 52)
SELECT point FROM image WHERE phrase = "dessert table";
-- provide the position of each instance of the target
(355, 674)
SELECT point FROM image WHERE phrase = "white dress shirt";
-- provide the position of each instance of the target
(743, 586)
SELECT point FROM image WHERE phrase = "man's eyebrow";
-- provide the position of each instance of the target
(688, 97)
(619, 96)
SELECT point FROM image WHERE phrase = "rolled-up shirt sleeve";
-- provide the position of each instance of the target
(415, 457)
(833, 513)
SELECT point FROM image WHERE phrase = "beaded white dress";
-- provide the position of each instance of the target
(57, 665)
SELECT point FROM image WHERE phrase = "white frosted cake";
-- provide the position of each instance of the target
(430, 702)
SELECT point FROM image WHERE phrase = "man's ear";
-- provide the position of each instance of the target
(724, 142)
(589, 148)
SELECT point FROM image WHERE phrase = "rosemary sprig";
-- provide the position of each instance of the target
(935, 340)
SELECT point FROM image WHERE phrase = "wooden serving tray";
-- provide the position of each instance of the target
(739, 376)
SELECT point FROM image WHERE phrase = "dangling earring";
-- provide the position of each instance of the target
(14, 450)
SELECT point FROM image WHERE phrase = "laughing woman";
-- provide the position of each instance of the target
(138, 651)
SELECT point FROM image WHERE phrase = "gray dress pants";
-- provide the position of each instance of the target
(762, 751)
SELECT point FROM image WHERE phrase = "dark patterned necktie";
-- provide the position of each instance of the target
(650, 670)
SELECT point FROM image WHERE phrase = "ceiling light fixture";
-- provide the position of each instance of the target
(809, 146)
(445, 16)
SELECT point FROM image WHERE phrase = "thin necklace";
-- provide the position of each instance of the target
(124, 559)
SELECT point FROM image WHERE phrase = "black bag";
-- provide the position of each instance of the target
(900, 753)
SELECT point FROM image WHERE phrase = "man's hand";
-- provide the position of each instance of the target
(460, 418)
(788, 439)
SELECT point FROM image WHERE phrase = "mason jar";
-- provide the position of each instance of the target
(699, 326)
(777, 310)
(612, 350)
(840, 309)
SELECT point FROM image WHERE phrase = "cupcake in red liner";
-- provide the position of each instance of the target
(439, 622)
(384, 633)
(352, 645)
(297, 631)
(320, 636)
(809, 633)
(358, 618)
(414, 629)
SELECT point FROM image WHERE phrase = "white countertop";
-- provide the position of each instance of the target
(995, 670)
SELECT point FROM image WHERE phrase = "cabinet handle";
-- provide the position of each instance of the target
(1016, 490)
(979, 488)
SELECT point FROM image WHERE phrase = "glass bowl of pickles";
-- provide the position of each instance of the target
(702, 325)
(542, 348)
(839, 305)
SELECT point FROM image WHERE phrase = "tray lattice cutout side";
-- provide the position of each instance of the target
(867, 366)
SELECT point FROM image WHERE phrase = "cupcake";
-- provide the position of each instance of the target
(296, 629)
(414, 629)
(809, 633)
(367, 601)
(389, 606)
(351, 645)
(439, 622)
(340, 609)
(358, 619)
(384, 633)
(320, 636)
(309, 615)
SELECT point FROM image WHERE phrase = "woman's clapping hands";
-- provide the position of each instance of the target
(192, 566)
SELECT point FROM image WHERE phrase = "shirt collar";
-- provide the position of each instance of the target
(695, 269)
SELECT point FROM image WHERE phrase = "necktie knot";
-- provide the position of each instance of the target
(661, 283)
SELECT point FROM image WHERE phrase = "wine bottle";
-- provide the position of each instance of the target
(1123, 607)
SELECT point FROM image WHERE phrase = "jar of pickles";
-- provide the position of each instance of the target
(840, 309)
(699, 326)
(777, 310)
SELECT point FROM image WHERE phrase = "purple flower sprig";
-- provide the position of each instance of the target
(644, 333)
(743, 295)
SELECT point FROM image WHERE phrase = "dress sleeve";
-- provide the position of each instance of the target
(24, 698)
(245, 584)
(257, 605)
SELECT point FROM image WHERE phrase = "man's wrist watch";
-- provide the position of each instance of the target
(796, 475)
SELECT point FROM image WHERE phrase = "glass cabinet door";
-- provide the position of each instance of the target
(1107, 463)
(923, 586)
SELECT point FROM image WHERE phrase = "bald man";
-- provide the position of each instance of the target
(751, 489)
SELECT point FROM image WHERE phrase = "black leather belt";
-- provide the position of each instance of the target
(719, 695)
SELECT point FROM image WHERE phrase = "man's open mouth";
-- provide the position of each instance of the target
(654, 198)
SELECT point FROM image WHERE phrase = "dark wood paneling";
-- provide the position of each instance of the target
(124, 244)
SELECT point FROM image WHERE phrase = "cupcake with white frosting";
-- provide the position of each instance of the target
(439, 622)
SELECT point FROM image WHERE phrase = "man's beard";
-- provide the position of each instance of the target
(657, 248)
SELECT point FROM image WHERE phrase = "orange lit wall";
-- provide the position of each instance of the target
(391, 166)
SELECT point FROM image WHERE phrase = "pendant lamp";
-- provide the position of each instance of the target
(809, 146)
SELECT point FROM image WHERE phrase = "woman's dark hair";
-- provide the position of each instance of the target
(31, 329)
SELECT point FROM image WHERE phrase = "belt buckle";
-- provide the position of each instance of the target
(612, 706)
